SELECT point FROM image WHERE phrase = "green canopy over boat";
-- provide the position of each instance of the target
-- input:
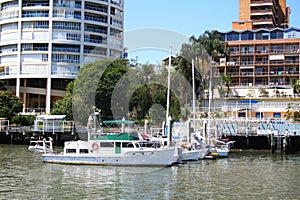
(120, 136)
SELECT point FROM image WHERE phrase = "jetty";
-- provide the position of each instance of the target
(273, 135)
(251, 134)
(55, 126)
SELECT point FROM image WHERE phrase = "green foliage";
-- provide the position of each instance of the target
(64, 106)
(23, 120)
(213, 43)
(94, 86)
(226, 79)
(2, 85)
(10, 105)
(107, 84)
(296, 86)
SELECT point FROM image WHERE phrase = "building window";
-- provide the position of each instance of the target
(66, 25)
(70, 150)
(277, 115)
(259, 115)
(276, 35)
(247, 36)
(242, 114)
(233, 37)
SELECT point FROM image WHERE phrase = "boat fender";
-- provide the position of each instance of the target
(95, 146)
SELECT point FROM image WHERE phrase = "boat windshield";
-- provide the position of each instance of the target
(154, 144)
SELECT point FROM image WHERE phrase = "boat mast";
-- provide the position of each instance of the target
(194, 97)
(209, 105)
(168, 99)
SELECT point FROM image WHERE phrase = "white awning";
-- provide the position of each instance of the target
(276, 57)
(247, 67)
(50, 117)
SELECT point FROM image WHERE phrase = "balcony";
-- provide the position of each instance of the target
(261, 2)
(247, 73)
(262, 21)
(261, 12)
(35, 4)
(264, 73)
(96, 9)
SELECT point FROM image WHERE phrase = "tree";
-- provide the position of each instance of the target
(10, 105)
(226, 79)
(214, 44)
(107, 84)
(2, 85)
(64, 105)
(23, 120)
(296, 86)
(93, 87)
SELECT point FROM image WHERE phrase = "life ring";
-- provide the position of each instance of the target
(95, 146)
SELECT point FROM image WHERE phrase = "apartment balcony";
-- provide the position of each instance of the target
(36, 4)
(262, 21)
(233, 74)
(292, 62)
(261, 52)
(261, 74)
(247, 52)
(247, 74)
(232, 53)
(95, 9)
(261, 2)
(68, 5)
(261, 12)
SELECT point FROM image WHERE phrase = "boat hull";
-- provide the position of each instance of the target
(222, 153)
(160, 157)
(192, 155)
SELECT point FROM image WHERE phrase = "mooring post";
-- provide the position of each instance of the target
(284, 143)
(272, 143)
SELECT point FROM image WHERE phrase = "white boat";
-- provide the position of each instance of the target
(194, 151)
(122, 149)
(41, 146)
(191, 151)
(223, 147)
(191, 155)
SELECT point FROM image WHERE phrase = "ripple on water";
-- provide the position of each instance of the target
(241, 176)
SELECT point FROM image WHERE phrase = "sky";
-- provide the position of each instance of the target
(156, 28)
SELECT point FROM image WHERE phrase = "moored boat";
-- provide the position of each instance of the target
(223, 147)
(190, 153)
(122, 149)
(41, 146)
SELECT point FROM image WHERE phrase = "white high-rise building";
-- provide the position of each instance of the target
(43, 43)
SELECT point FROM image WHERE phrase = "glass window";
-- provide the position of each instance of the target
(232, 36)
(242, 114)
(277, 115)
(258, 36)
(247, 36)
(107, 144)
(276, 35)
(259, 115)
(70, 150)
(83, 151)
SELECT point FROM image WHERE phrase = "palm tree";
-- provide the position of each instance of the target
(296, 86)
(226, 79)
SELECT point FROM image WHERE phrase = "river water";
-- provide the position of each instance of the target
(244, 175)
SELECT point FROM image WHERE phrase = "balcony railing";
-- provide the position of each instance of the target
(34, 4)
(261, 1)
(247, 73)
